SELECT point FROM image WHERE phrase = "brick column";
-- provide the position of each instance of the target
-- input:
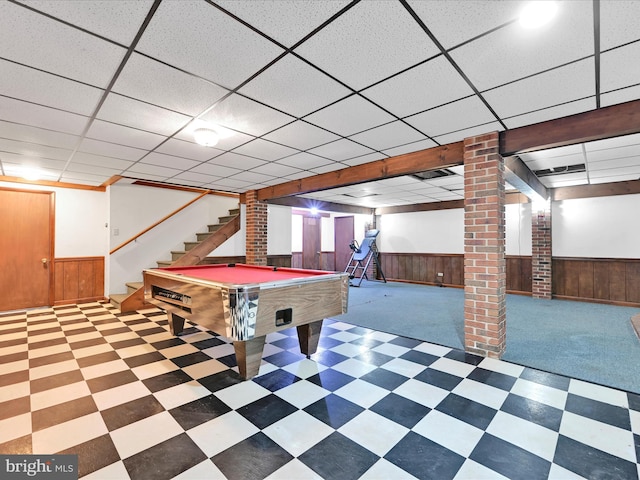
(541, 249)
(256, 225)
(484, 247)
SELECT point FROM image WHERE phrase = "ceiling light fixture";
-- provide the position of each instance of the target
(536, 14)
(206, 137)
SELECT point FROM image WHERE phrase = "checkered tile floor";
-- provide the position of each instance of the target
(134, 402)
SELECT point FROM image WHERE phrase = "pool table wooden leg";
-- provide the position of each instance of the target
(176, 323)
(308, 336)
(249, 356)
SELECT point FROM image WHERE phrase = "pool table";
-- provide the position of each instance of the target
(245, 303)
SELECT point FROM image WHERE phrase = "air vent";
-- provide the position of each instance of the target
(546, 172)
(431, 174)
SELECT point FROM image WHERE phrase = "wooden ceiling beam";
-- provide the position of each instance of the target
(520, 176)
(430, 159)
(300, 202)
(607, 122)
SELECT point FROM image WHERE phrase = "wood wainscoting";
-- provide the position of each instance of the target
(327, 261)
(79, 280)
(425, 267)
(605, 280)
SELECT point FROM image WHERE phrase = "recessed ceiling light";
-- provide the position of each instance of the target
(206, 137)
(536, 14)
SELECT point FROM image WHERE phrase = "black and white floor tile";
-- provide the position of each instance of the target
(135, 402)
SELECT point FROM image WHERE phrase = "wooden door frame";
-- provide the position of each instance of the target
(52, 236)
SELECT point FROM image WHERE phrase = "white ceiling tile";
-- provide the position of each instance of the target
(202, 40)
(545, 114)
(91, 169)
(299, 175)
(372, 157)
(28, 150)
(245, 115)
(618, 22)
(132, 137)
(231, 183)
(118, 21)
(304, 160)
(169, 161)
(61, 49)
(84, 178)
(286, 21)
(371, 41)
(569, 150)
(460, 135)
(234, 160)
(128, 112)
(40, 136)
(101, 161)
(614, 143)
(620, 96)
(615, 164)
(21, 168)
(180, 148)
(341, 150)
(558, 86)
(620, 68)
(350, 116)
(286, 86)
(455, 21)
(24, 83)
(111, 149)
(514, 52)
(275, 170)
(410, 147)
(264, 150)
(42, 117)
(301, 135)
(159, 84)
(200, 178)
(465, 113)
(33, 162)
(388, 136)
(216, 170)
(565, 180)
(433, 83)
(330, 167)
(251, 177)
(145, 168)
(614, 178)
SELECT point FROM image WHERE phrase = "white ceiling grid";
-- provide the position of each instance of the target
(297, 88)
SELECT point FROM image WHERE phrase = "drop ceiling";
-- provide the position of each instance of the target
(93, 89)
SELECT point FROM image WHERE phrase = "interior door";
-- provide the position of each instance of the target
(311, 242)
(343, 235)
(26, 249)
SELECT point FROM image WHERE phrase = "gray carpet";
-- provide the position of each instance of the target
(587, 341)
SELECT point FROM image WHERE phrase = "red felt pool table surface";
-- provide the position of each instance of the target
(240, 274)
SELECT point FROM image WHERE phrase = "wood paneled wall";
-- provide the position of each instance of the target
(79, 280)
(607, 280)
(327, 261)
(424, 268)
(272, 260)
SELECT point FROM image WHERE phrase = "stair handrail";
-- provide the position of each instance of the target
(166, 217)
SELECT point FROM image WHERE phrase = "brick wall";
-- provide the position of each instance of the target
(256, 225)
(541, 250)
(484, 247)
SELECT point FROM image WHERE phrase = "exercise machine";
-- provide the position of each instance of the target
(361, 258)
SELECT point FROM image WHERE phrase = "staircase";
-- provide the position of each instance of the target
(193, 253)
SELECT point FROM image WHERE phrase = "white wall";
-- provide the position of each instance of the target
(518, 229)
(136, 207)
(602, 227)
(279, 230)
(82, 217)
(437, 231)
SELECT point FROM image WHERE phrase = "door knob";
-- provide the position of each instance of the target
(44, 260)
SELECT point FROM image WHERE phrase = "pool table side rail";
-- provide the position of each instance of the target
(242, 312)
